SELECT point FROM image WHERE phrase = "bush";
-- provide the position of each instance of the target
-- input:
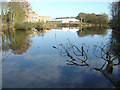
(24, 26)
(38, 26)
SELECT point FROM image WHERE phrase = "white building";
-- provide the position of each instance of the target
(67, 20)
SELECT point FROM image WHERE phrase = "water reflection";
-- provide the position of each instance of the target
(115, 44)
(43, 67)
(70, 29)
(78, 56)
(91, 31)
(18, 42)
(110, 61)
(42, 32)
(109, 52)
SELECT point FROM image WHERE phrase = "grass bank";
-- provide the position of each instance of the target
(48, 25)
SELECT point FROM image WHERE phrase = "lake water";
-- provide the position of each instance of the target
(38, 59)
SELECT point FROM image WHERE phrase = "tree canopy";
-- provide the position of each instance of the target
(15, 11)
(93, 18)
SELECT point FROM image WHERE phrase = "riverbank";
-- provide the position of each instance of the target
(48, 25)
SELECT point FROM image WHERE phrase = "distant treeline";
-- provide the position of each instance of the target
(101, 19)
(48, 25)
(13, 15)
(115, 13)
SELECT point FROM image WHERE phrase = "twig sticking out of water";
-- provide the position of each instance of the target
(105, 54)
(77, 56)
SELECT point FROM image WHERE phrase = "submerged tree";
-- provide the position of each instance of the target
(110, 61)
(77, 56)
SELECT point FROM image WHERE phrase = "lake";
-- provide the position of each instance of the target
(60, 58)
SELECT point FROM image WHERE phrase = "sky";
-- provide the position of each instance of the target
(62, 9)
(68, 8)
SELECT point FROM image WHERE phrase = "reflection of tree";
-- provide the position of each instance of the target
(5, 55)
(115, 44)
(5, 45)
(105, 52)
(18, 41)
(42, 32)
(5, 41)
(77, 56)
(91, 31)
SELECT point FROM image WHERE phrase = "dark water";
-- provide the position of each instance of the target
(31, 60)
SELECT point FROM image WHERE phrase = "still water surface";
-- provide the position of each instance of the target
(30, 61)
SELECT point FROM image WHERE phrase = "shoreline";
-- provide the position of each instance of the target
(42, 26)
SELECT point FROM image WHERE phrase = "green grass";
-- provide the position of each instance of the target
(48, 25)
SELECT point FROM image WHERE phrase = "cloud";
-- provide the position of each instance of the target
(49, 70)
(40, 73)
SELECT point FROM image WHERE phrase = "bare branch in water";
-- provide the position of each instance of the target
(77, 56)
(105, 54)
